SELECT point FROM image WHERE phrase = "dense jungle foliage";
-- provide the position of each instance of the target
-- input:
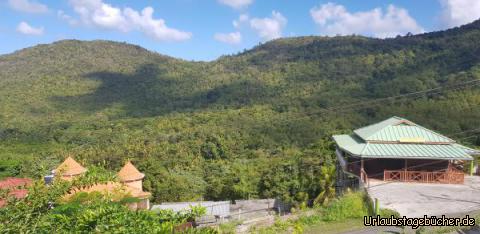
(251, 125)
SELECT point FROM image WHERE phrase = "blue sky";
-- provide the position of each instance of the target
(207, 29)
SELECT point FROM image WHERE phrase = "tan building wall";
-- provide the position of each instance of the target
(134, 184)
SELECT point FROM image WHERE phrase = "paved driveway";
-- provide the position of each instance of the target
(416, 200)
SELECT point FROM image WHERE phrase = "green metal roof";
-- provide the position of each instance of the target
(351, 144)
(419, 151)
(400, 138)
(355, 146)
(397, 129)
(468, 150)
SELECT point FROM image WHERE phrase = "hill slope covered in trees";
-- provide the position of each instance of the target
(255, 124)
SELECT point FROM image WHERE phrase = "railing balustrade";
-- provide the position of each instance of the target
(446, 177)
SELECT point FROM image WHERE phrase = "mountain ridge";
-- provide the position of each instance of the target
(471, 26)
(255, 124)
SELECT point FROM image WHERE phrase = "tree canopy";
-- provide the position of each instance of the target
(251, 125)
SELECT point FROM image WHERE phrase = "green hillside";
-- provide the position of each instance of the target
(255, 124)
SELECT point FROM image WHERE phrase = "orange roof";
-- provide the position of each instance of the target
(129, 172)
(70, 167)
(112, 188)
(17, 193)
(12, 183)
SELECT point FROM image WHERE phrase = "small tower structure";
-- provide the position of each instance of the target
(130, 176)
(69, 169)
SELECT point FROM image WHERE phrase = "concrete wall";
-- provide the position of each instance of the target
(259, 204)
(221, 208)
(225, 209)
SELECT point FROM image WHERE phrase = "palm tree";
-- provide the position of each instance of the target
(327, 183)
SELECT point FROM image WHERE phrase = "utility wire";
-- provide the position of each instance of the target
(343, 108)
(468, 137)
(467, 131)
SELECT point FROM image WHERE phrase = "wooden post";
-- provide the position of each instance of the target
(405, 174)
(471, 168)
(449, 169)
(377, 207)
(361, 169)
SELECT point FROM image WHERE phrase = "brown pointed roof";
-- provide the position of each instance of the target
(70, 167)
(130, 173)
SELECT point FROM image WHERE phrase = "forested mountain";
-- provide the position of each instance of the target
(255, 124)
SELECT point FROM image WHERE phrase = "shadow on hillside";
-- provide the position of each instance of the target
(151, 92)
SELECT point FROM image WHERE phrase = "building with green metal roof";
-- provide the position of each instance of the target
(400, 150)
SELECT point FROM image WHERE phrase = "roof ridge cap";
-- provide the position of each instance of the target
(370, 125)
(434, 132)
(365, 148)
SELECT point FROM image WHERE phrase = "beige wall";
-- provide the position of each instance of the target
(135, 184)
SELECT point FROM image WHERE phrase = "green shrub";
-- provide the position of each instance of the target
(43, 211)
(387, 213)
(309, 219)
(229, 227)
(349, 206)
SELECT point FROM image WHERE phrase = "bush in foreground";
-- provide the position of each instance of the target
(44, 211)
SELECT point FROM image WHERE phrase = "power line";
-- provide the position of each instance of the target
(343, 108)
(408, 95)
(468, 137)
(340, 109)
(467, 131)
(415, 93)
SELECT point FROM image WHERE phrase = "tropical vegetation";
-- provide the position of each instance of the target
(251, 125)
(45, 210)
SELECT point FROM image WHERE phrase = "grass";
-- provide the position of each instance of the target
(342, 214)
(335, 227)
(228, 228)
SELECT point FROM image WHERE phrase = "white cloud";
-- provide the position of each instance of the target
(237, 4)
(96, 13)
(459, 12)
(243, 18)
(335, 19)
(28, 6)
(62, 15)
(269, 28)
(26, 29)
(233, 38)
(155, 28)
(100, 14)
